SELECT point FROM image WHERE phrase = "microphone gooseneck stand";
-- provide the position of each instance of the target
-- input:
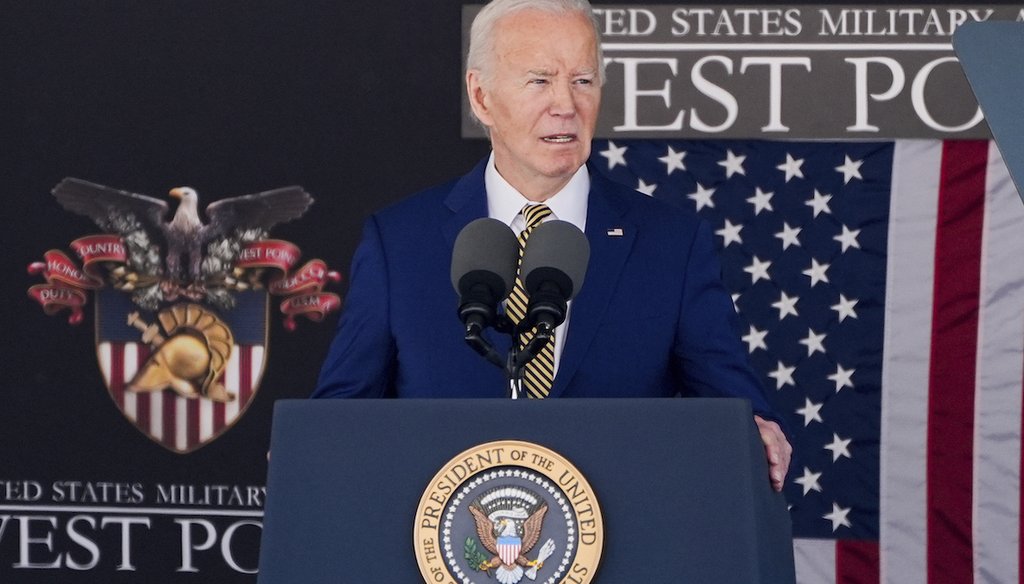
(518, 359)
(485, 262)
(514, 364)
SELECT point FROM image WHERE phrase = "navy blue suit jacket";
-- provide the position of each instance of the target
(652, 318)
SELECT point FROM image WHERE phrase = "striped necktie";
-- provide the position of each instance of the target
(540, 371)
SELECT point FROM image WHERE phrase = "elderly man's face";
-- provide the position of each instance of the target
(541, 100)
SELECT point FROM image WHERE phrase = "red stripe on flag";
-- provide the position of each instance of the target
(857, 562)
(142, 399)
(244, 374)
(192, 434)
(950, 456)
(219, 411)
(219, 417)
(117, 374)
(170, 419)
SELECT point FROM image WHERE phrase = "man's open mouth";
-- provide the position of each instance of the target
(559, 138)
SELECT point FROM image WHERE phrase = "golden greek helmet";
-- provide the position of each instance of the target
(191, 359)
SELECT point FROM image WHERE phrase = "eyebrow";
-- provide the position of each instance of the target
(546, 73)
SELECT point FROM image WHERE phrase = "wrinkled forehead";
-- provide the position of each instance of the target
(537, 36)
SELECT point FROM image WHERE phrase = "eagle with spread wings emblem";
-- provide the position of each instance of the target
(508, 523)
(197, 256)
(182, 299)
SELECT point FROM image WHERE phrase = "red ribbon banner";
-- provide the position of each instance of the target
(61, 270)
(96, 249)
(302, 288)
(269, 253)
(313, 306)
(65, 285)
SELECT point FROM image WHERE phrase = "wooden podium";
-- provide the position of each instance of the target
(682, 485)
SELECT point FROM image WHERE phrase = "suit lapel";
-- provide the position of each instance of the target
(611, 237)
(467, 202)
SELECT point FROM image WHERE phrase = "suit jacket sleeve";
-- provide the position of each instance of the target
(361, 358)
(712, 359)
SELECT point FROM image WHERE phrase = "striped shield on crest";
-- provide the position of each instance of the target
(508, 549)
(185, 374)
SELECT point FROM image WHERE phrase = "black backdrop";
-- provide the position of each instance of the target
(357, 102)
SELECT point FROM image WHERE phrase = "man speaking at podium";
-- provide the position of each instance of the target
(652, 320)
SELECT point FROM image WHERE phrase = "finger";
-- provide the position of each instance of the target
(777, 450)
(776, 471)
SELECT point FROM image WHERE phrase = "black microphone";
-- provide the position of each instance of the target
(553, 267)
(483, 273)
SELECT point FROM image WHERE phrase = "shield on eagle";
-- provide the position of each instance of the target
(508, 548)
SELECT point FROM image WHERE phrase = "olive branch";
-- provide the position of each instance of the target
(474, 556)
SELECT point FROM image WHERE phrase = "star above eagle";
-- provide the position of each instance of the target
(185, 234)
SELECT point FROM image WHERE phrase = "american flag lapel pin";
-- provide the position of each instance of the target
(615, 232)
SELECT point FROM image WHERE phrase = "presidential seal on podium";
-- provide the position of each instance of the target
(508, 512)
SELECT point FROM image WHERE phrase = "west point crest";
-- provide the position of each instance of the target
(508, 512)
(182, 305)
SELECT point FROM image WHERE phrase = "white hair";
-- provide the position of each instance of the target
(481, 36)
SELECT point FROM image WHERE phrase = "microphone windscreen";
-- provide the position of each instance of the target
(485, 246)
(556, 251)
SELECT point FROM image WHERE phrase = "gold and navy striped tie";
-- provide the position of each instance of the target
(540, 371)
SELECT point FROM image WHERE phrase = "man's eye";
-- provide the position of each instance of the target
(538, 81)
(584, 81)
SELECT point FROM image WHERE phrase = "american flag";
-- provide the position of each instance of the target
(880, 288)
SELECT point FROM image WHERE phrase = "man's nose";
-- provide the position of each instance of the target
(563, 102)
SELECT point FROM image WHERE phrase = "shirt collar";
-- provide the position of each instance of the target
(504, 202)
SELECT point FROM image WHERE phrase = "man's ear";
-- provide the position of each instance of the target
(478, 97)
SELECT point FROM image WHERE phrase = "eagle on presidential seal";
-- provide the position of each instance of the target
(508, 524)
(182, 302)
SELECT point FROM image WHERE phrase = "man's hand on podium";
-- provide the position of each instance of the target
(777, 449)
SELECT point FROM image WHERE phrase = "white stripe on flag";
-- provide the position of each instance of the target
(257, 364)
(103, 352)
(131, 365)
(256, 358)
(180, 422)
(997, 447)
(156, 414)
(913, 210)
(205, 419)
(231, 377)
(815, 561)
